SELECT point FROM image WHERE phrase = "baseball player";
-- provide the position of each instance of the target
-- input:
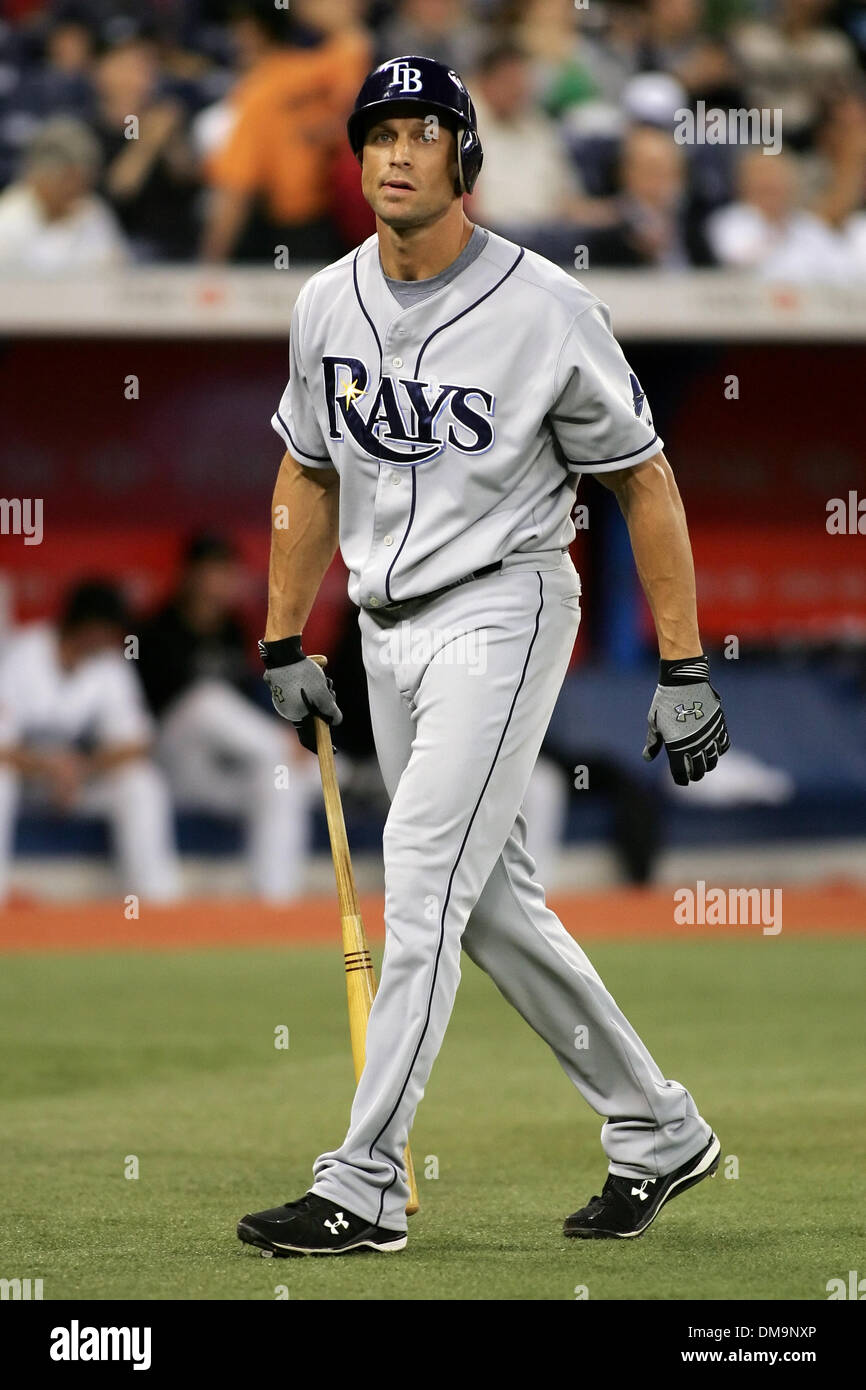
(447, 389)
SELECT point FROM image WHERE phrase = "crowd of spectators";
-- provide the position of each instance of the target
(182, 130)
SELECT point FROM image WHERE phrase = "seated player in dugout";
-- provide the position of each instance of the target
(76, 738)
(447, 389)
(219, 750)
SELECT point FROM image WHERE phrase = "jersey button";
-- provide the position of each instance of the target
(374, 603)
(389, 540)
(397, 362)
(396, 479)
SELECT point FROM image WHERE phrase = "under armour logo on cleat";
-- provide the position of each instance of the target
(338, 1222)
(682, 713)
(641, 1191)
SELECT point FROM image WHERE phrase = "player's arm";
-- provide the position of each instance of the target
(227, 214)
(304, 538)
(686, 714)
(307, 500)
(649, 499)
(106, 759)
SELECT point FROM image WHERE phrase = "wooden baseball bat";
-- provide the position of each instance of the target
(360, 975)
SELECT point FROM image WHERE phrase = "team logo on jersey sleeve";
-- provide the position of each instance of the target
(404, 421)
(639, 398)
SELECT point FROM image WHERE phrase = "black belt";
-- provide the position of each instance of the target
(437, 593)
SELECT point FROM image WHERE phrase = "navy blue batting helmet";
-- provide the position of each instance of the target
(437, 90)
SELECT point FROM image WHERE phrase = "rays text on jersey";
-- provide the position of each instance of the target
(402, 420)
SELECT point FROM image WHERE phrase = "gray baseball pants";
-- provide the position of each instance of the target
(462, 688)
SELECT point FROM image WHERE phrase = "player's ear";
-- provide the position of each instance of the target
(453, 164)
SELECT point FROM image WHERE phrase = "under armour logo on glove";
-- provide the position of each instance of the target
(695, 752)
(682, 713)
(338, 1223)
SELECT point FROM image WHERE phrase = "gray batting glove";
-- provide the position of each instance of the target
(300, 690)
(686, 716)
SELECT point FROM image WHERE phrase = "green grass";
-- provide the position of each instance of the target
(170, 1057)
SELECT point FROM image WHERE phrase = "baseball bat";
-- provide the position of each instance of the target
(360, 975)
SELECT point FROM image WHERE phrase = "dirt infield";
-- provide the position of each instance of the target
(624, 913)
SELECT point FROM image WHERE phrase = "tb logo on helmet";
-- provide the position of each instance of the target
(406, 79)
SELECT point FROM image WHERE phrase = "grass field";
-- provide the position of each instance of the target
(170, 1057)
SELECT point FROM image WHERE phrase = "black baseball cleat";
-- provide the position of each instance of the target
(627, 1206)
(315, 1226)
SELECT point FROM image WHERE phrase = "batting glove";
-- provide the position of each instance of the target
(300, 690)
(686, 716)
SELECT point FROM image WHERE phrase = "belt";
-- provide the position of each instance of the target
(437, 593)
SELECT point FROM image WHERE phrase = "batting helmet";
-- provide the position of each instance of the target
(435, 89)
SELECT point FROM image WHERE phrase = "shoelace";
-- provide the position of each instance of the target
(302, 1204)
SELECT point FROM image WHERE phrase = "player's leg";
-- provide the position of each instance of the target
(652, 1124)
(545, 810)
(135, 798)
(477, 729)
(223, 753)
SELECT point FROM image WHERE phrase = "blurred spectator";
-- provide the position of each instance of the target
(768, 229)
(613, 51)
(42, 75)
(62, 83)
(835, 172)
(677, 42)
(547, 31)
(794, 61)
(74, 732)
(440, 29)
(527, 179)
(50, 219)
(272, 174)
(221, 752)
(652, 224)
(149, 173)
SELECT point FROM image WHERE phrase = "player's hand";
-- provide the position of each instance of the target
(686, 716)
(300, 690)
(66, 772)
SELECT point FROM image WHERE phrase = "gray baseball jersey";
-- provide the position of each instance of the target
(461, 425)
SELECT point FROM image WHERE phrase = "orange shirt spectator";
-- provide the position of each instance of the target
(288, 123)
(290, 111)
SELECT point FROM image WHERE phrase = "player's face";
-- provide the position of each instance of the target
(409, 170)
(89, 639)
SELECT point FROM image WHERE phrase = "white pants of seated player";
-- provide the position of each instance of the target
(134, 799)
(223, 755)
(457, 744)
(545, 810)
